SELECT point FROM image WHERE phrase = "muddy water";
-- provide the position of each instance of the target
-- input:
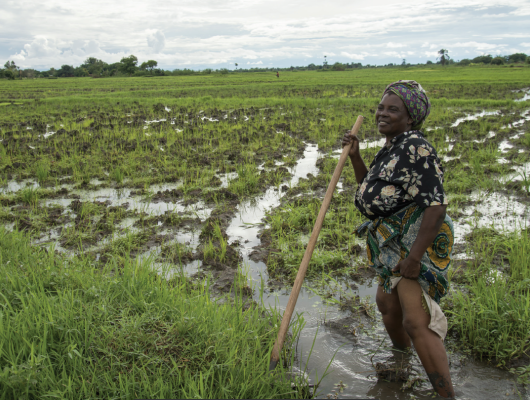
(501, 212)
(355, 345)
(526, 95)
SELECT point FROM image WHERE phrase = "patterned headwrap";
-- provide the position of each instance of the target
(415, 100)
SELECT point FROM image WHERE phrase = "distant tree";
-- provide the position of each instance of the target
(311, 66)
(484, 59)
(66, 71)
(338, 67)
(236, 65)
(498, 60)
(149, 65)
(129, 64)
(80, 72)
(29, 73)
(223, 71)
(10, 65)
(464, 62)
(443, 56)
(325, 63)
(429, 62)
(517, 57)
(207, 71)
(94, 66)
(404, 62)
(9, 74)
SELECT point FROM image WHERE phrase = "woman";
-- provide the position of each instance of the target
(409, 234)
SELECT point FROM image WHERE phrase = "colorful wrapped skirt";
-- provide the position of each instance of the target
(390, 239)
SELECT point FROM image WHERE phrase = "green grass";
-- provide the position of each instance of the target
(492, 315)
(70, 331)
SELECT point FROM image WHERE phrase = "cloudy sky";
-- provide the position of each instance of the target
(279, 33)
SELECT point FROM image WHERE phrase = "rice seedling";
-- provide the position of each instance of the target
(29, 195)
(42, 171)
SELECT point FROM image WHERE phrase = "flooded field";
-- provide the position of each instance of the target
(223, 178)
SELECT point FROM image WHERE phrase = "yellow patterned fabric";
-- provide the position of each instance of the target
(390, 239)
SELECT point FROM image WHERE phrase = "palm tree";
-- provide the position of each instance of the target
(236, 65)
(444, 56)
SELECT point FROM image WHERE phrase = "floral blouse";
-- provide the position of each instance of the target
(406, 171)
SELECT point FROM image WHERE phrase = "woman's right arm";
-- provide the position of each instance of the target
(355, 156)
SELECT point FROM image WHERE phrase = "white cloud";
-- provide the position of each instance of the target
(431, 53)
(41, 47)
(354, 56)
(255, 63)
(396, 54)
(155, 39)
(208, 33)
(395, 45)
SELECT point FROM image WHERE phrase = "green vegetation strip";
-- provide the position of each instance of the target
(70, 331)
(493, 315)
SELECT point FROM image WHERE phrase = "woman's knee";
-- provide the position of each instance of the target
(414, 327)
(387, 303)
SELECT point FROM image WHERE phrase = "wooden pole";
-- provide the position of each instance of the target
(275, 355)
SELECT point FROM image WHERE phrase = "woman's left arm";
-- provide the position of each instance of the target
(433, 219)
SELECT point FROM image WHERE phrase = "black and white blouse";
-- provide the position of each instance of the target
(408, 170)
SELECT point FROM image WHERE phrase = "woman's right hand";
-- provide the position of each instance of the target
(349, 138)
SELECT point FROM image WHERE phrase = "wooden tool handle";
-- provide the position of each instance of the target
(275, 356)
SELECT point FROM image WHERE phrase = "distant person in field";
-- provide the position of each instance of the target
(277, 74)
(409, 235)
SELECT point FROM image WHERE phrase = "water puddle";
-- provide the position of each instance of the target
(14, 186)
(505, 146)
(490, 135)
(306, 165)
(526, 95)
(226, 178)
(365, 144)
(493, 210)
(473, 117)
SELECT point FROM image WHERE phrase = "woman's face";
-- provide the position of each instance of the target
(392, 117)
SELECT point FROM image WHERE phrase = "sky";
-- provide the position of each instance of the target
(202, 34)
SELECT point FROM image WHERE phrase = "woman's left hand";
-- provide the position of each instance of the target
(408, 268)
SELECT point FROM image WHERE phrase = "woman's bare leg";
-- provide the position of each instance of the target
(428, 344)
(390, 308)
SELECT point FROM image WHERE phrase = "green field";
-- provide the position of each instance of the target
(120, 177)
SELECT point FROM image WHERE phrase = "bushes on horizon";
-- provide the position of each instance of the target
(498, 61)
(484, 59)
(517, 57)
(338, 67)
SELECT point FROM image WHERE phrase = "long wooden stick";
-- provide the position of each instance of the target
(275, 356)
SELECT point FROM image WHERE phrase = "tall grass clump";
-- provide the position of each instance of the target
(70, 331)
(29, 195)
(494, 317)
(118, 174)
(42, 170)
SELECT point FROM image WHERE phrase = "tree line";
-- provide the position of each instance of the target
(128, 66)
